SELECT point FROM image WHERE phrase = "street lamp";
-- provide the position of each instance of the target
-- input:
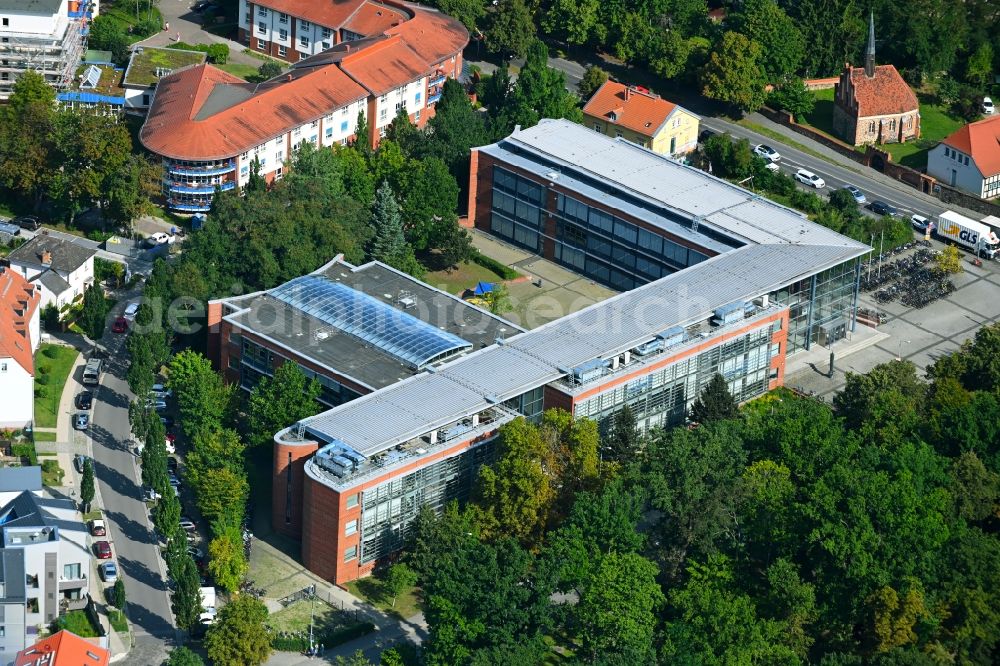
(312, 605)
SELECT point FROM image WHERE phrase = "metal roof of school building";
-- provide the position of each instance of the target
(470, 384)
(678, 198)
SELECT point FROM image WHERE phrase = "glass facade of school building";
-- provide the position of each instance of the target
(663, 397)
(617, 253)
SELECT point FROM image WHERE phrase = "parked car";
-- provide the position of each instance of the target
(882, 208)
(81, 421)
(172, 464)
(28, 222)
(921, 223)
(158, 405)
(809, 178)
(108, 571)
(187, 524)
(196, 552)
(84, 400)
(988, 107)
(78, 462)
(772, 166)
(102, 549)
(97, 528)
(120, 325)
(159, 238)
(174, 481)
(705, 135)
(858, 195)
(167, 421)
(767, 152)
(169, 444)
(150, 495)
(160, 391)
(130, 311)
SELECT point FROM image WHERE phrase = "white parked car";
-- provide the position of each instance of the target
(921, 223)
(159, 238)
(130, 311)
(772, 166)
(809, 178)
(171, 448)
(767, 152)
(988, 107)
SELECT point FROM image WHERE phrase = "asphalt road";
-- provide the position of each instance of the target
(905, 198)
(131, 530)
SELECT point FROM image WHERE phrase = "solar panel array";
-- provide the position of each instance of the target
(357, 314)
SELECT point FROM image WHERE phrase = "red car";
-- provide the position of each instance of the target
(120, 325)
(103, 550)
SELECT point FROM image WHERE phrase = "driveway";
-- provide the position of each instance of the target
(128, 519)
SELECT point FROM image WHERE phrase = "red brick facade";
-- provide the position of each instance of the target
(287, 486)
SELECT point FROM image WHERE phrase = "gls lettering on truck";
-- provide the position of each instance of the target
(970, 234)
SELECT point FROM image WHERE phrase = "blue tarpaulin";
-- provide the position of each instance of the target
(483, 288)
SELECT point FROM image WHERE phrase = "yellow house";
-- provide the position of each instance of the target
(639, 116)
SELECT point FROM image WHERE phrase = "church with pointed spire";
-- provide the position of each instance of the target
(873, 104)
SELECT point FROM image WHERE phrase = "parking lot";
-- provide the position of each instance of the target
(917, 335)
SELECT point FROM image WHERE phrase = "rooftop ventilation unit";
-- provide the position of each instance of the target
(729, 314)
(590, 370)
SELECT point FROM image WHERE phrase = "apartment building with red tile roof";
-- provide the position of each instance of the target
(873, 104)
(639, 116)
(296, 29)
(969, 159)
(63, 648)
(19, 339)
(209, 126)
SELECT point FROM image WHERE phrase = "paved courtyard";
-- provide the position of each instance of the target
(549, 292)
(918, 335)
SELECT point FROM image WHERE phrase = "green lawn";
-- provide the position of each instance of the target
(821, 117)
(41, 436)
(295, 617)
(118, 621)
(371, 590)
(52, 366)
(78, 623)
(248, 72)
(125, 16)
(464, 276)
(936, 123)
(52, 473)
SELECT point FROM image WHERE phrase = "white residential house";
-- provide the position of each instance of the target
(969, 159)
(45, 563)
(19, 338)
(61, 269)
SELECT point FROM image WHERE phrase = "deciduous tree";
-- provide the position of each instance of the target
(398, 578)
(239, 636)
(511, 29)
(280, 401)
(226, 559)
(87, 489)
(182, 656)
(593, 78)
(734, 73)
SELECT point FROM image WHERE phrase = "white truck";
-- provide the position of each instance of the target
(970, 234)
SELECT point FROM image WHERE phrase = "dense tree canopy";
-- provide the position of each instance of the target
(796, 533)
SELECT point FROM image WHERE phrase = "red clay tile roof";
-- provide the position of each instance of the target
(176, 127)
(325, 13)
(203, 113)
(385, 65)
(66, 649)
(640, 112)
(884, 94)
(981, 140)
(374, 18)
(18, 302)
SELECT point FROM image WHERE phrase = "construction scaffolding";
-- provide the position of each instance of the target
(55, 56)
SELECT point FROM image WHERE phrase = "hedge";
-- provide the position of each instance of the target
(506, 272)
(26, 450)
(216, 53)
(328, 639)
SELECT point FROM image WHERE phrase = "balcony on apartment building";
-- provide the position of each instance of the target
(180, 187)
(190, 206)
(216, 168)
